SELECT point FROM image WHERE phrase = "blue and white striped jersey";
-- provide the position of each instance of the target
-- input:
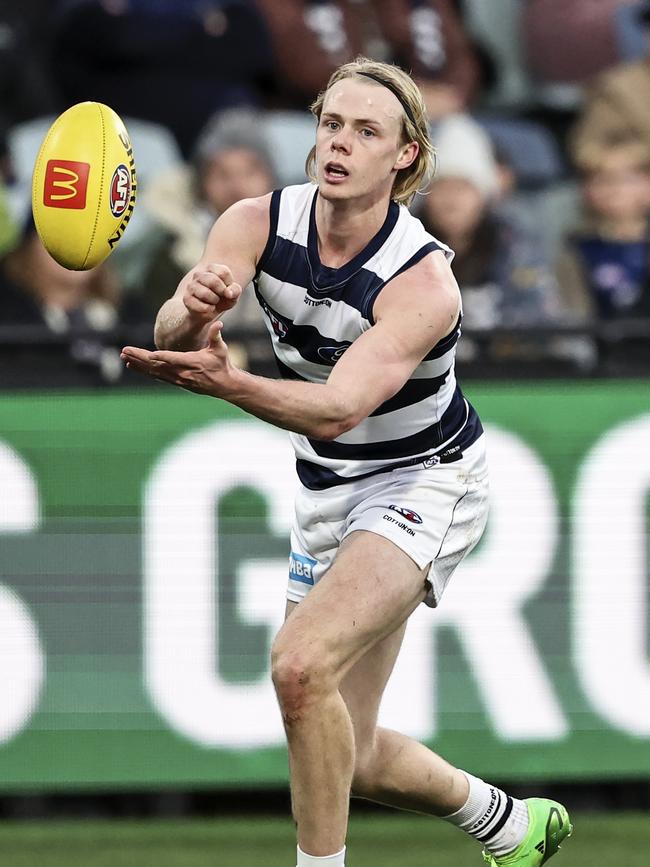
(314, 313)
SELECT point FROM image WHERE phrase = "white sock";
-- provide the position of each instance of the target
(492, 817)
(337, 860)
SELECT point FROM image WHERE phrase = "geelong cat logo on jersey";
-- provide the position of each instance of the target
(409, 514)
(331, 354)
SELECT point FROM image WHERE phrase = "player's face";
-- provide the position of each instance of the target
(358, 141)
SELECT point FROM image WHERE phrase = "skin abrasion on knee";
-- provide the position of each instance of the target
(292, 696)
(336, 860)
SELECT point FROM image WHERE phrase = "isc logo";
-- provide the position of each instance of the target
(65, 184)
(120, 192)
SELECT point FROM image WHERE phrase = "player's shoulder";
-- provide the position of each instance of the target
(408, 242)
(247, 221)
(415, 229)
(240, 232)
(253, 212)
(263, 210)
(433, 267)
(428, 283)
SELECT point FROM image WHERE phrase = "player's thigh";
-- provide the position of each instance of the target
(366, 595)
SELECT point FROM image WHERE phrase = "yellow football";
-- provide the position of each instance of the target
(84, 183)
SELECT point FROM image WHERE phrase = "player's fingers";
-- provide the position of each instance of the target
(207, 294)
(196, 305)
(134, 353)
(215, 339)
(214, 332)
(206, 282)
(158, 370)
(234, 290)
(167, 357)
(160, 360)
(222, 271)
(140, 366)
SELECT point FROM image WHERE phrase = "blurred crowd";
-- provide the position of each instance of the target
(538, 110)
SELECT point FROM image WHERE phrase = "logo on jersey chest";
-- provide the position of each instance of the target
(280, 329)
(317, 302)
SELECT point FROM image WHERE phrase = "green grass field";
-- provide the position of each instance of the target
(606, 840)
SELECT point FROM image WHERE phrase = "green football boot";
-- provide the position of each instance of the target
(549, 825)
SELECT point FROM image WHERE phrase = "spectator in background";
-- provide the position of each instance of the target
(8, 228)
(604, 268)
(26, 89)
(617, 101)
(504, 280)
(82, 306)
(313, 37)
(231, 161)
(569, 43)
(174, 62)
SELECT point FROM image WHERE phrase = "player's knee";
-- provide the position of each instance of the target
(299, 680)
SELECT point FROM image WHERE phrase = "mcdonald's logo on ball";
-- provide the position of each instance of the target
(65, 184)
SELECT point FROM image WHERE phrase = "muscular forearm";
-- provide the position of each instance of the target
(176, 329)
(317, 411)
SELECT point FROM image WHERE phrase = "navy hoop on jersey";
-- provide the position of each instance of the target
(314, 313)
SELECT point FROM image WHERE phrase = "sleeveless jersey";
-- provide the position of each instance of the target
(314, 313)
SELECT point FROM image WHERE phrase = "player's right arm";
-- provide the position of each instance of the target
(229, 261)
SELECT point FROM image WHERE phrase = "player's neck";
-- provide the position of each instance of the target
(346, 227)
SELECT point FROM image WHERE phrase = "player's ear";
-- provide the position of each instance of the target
(407, 155)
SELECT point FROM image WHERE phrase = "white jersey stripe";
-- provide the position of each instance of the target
(407, 421)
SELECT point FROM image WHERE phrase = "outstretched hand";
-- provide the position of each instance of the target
(204, 371)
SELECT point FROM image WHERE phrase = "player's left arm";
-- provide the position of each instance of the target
(412, 313)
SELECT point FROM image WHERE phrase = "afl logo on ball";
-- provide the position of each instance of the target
(120, 191)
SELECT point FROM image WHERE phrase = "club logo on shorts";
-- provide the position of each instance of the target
(409, 514)
(120, 192)
(65, 184)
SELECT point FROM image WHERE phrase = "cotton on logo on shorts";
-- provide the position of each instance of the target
(402, 526)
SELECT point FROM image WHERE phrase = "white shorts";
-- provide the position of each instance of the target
(435, 514)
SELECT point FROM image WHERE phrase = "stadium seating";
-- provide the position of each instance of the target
(290, 136)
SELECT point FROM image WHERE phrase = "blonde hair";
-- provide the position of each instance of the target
(413, 178)
(592, 156)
